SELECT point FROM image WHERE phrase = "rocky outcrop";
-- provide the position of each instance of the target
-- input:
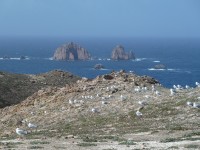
(119, 53)
(15, 88)
(160, 66)
(98, 66)
(71, 51)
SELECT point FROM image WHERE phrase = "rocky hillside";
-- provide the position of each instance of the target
(108, 107)
(71, 51)
(119, 53)
(15, 88)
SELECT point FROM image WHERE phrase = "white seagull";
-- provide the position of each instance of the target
(30, 125)
(195, 105)
(197, 84)
(94, 110)
(157, 93)
(122, 98)
(172, 92)
(138, 113)
(21, 132)
(143, 103)
(187, 86)
(190, 103)
(104, 102)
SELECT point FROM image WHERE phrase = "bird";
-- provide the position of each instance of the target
(195, 105)
(153, 88)
(144, 88)
(94, 110)
(187, 86)
(71, 102)
(157, 93)
(138, 113)
(31, 125)
(122, 98)
(147, 96)
(172, 92)
(197, 84)
(174, 86)
(21, 132)
(143, 103)
(137, 89)
(190, 103)
(179, 87)
(104, 102)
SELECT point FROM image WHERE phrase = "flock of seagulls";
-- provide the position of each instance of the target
(193, 104)
(143, 103)
(22, 132)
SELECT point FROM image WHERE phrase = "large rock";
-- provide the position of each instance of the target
(119, 53)
(71, 51)
(160, 66)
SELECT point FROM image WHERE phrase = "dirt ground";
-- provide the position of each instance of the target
(145, 140)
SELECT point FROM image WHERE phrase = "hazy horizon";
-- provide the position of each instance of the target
(105, 18)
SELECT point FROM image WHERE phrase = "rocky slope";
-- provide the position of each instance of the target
(119, 53)
(105, 108)
(15, 88)
(71, 51)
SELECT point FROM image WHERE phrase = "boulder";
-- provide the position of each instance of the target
(119, 53)
(160, 66)
(98, 66)
(71, 51)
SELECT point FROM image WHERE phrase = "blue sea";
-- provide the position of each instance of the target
(179, 55)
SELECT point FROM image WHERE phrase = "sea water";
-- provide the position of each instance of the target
(179, 55)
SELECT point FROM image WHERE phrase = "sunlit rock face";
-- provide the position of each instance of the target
(71, 51)
(119, 53)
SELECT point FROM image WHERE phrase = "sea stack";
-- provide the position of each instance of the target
(71, 51)
(119, 53)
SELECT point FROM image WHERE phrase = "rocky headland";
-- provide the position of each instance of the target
(71, 51)
(118, 53)
(15, 88)
(113, 111)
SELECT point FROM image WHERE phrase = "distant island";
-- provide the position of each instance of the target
(119, 53)
(71, 51)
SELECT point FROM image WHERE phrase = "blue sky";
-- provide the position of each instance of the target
(100, 18)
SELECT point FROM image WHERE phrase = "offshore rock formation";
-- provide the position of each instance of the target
(98, 66)
(160, 66)
(71, 51)
(119, 53)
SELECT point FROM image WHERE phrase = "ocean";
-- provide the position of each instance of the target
(179, 55)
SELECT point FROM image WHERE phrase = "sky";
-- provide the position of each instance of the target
(100, 18)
